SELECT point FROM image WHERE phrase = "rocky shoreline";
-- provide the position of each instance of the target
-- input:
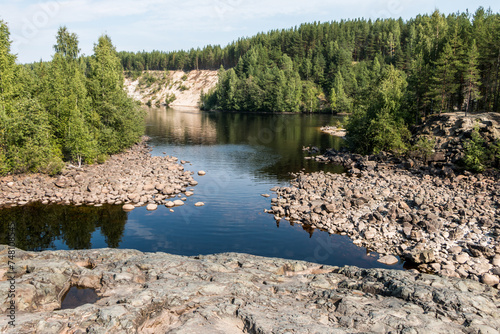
(334, 131)
(133, 178)
(235, 293)
(445, 223)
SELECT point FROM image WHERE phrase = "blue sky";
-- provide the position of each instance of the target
(172, 25)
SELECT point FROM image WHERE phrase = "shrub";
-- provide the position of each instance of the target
(424, 147)
(475, 152)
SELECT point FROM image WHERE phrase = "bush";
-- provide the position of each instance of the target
(424, 147)
(170, 98)
(475, 152)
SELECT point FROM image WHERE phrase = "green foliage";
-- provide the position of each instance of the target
(381, 127)
(424, 147)
(493, 154)
(475, 152)
(435, 51)
(29, 143)
(171, 98)
(70, 108)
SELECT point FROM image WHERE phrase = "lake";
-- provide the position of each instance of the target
(244, 155)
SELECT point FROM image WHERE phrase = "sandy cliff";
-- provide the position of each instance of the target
(156, 86)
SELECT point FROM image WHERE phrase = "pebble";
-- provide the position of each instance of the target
(199, 204)
(151, 207)
(201, 172)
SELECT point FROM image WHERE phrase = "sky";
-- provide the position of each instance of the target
(168, 25)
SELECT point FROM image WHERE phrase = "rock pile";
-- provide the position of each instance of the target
(134, 177)
(451, 130)
(446, 225)
(237, 293)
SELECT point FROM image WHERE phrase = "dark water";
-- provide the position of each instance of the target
(244, 155)
(77, 296)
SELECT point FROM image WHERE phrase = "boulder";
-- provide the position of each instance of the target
(389, 260)
(128, 207)
(490, 279)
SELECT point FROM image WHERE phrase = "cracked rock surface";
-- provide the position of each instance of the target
(237, 293)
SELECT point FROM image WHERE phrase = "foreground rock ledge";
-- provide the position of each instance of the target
(134, 177)
(237, 293)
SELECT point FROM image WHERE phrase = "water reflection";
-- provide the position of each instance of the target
(39, 227)
(269, 145)
(244, 155)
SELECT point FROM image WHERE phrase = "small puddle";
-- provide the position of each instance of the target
(78, 296)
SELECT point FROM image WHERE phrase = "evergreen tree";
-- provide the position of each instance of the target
(67, 102)
(114, 113)
(471, 78)
(443, 79)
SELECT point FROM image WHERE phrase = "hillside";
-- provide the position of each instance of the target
(156, 86)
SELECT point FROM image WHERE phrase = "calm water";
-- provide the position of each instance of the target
(244, 156)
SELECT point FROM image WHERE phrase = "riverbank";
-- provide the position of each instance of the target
(236, 293)
(447, 224)
(133, 178)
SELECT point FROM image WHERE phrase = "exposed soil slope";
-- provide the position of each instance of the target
(156, 86)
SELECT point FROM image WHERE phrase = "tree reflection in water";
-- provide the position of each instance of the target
(38, 226)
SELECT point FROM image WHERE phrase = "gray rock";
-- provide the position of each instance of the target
(226, 293)
(388, 259)
(490, 279)
(128, 207)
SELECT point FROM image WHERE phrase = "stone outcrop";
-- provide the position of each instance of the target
(237, 293)
(445, 225)
(451, 130)
(134, 177)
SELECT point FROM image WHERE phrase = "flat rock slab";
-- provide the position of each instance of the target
(237, 293)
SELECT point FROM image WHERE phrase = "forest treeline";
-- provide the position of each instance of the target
(69, 109)
(387, 73)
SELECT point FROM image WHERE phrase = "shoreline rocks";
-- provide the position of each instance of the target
(448, 225)
(133, 178)
(236, 293)
(334, 131)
